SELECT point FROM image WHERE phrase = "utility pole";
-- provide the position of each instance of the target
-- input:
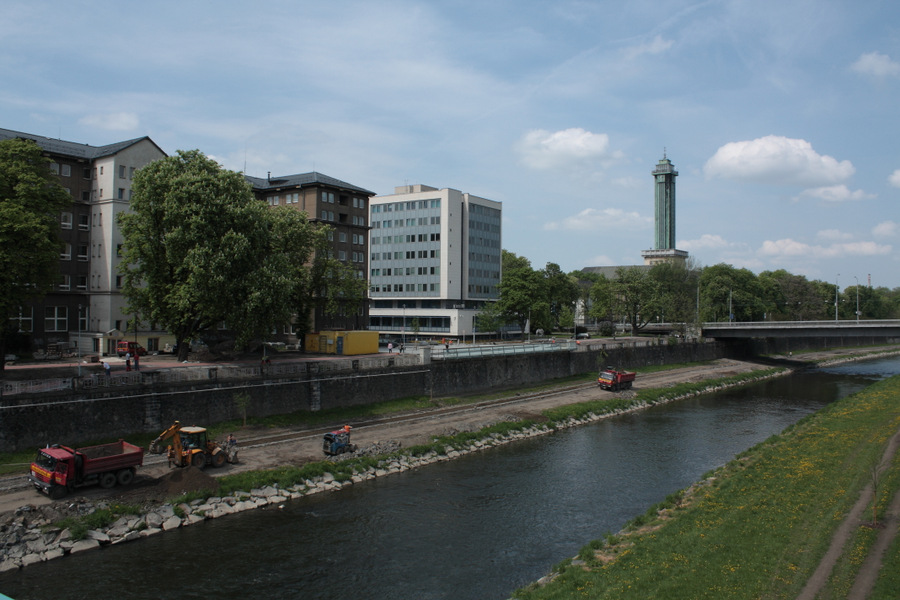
(857, 297)
(836, 297)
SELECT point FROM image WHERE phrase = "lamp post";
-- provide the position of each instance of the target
(857, 297)
(836, 297)
(403, 327)
(78, 342)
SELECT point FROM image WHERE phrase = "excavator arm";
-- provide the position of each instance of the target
(156, 446)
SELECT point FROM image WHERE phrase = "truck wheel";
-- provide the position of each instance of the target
(125, 476)
(107, 480)
(219, 459)
(198, 460)
(58, 491)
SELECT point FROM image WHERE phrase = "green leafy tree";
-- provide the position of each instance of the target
(677, 291)
(489, 319)
(31, 200)
(201, 250)
(791, 297)
(724, 288)
(602, 299)
(562, 293)
(326, 284)
(522, 294)
(637, 296)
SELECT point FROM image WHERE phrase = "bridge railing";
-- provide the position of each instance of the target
(842, 323)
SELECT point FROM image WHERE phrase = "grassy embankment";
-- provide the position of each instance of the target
(758, 527)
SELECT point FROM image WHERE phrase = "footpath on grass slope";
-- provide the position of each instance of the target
(868, 572)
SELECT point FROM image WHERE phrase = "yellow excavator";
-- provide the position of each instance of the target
(190, 446)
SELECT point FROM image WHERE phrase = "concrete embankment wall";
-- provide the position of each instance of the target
(74, 418)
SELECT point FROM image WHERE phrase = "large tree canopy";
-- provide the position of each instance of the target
(201, 250)
(31, 200)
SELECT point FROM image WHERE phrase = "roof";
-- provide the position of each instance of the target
(303, 180)
(610, 272)
(74, 149)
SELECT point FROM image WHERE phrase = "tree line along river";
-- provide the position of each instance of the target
(474, 528)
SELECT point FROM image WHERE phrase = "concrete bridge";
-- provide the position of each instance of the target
(795, 329)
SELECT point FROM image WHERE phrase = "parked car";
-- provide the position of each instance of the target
(124, 347)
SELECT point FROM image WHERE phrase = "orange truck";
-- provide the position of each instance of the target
(614, 380)
(58, 469)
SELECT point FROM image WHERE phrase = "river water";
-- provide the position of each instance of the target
(474, 528)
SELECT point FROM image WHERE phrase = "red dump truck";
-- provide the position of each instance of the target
(614, 380)
(59, 469)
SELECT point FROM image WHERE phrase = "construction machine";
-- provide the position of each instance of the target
(190, 446)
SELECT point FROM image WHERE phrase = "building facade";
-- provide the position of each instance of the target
(345, 209)
(86, 309)
(434, 261)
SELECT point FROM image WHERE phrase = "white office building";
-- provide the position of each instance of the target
(434, 261)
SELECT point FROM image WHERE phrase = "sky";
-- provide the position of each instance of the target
(781, 117)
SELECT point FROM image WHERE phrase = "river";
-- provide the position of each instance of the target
(474, 528)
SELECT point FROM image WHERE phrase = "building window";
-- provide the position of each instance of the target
(118, 281)
(54, 168)
(56, 318)
(121, 193)
(121, 171)
(84, 222)
(65, 220)
(65, 283)
(82, 282)
(86, 173)
(82, 252)
(66, 254)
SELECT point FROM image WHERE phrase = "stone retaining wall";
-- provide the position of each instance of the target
(31, 421)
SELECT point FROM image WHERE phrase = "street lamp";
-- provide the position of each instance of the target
(857, 297)
(78, 342)
(836, 296)
(403, 327)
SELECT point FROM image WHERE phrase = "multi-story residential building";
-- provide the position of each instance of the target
(86, 307)
(345, 208)
(434, 261)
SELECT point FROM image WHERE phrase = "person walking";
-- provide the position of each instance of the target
(127, 361)
(107, 368)
(390, 347)
(137, 364)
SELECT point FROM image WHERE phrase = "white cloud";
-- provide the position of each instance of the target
(655, 46)
(785, 248)
(894, 178)
(876, 64)
(542, 149)
(776, 160)
(706, 242)
(835, 193)
(591, 219)
(120, 121)
(886, 229)
(833, 235)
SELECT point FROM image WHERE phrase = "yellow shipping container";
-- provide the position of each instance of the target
(344, 343)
